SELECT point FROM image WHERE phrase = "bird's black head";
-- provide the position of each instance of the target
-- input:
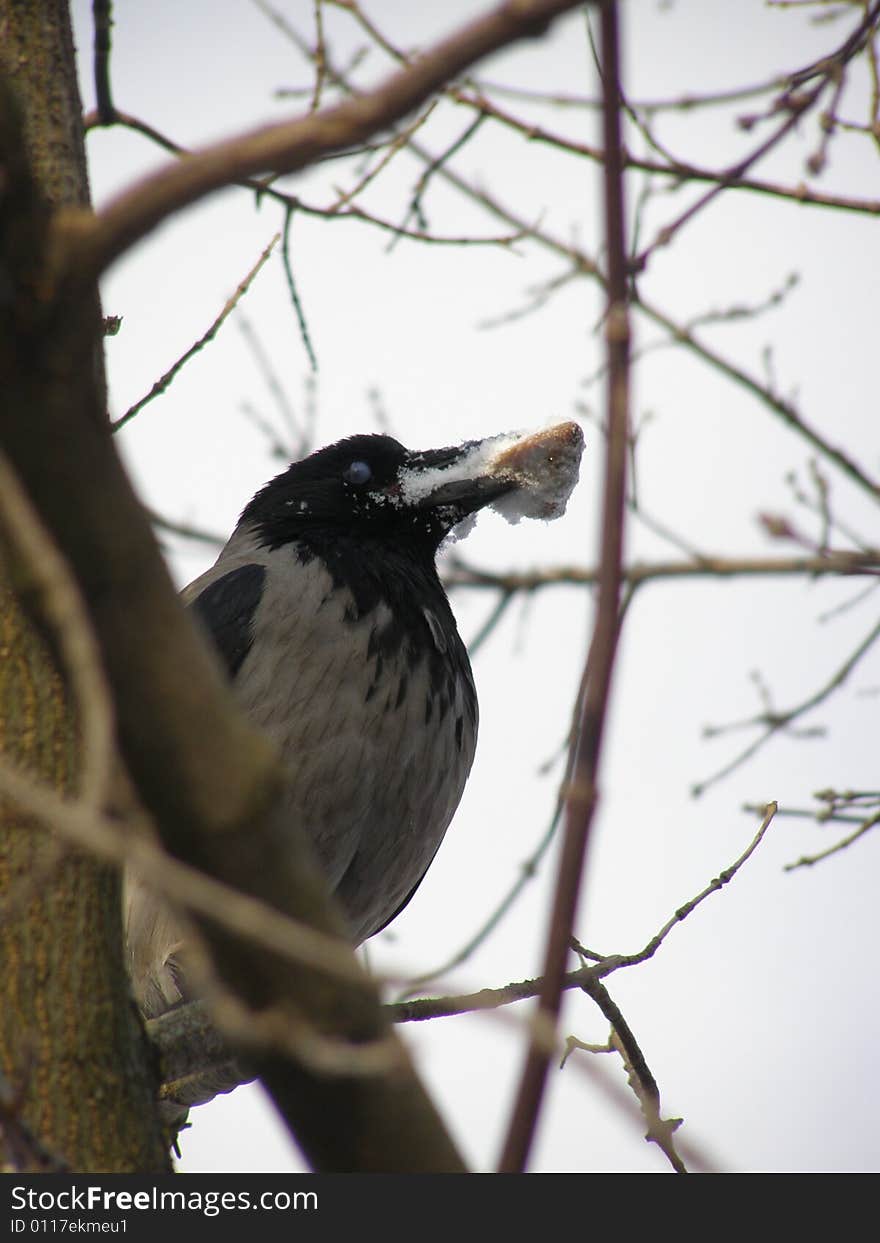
(372, 488)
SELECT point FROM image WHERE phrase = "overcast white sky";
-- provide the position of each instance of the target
(758, 1017)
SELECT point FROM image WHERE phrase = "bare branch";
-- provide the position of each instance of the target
(839, 563)
(642, 1082)
(679, 103)
(294, 292)
(581, 789)
(192, 1052)
(418, 1010)
(774, 722)
(679, 170)
(717, 883)
(670, 166)
(809, 860)
(93, 243)
(231, 302)
(187, 531)
(102, 11)
(262, 188)
(320, 57)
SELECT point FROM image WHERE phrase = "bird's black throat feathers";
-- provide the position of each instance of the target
(342, 507)
(417, 622)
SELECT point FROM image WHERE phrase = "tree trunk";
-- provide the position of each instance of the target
(79, 1081)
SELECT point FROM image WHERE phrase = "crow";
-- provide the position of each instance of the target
(328, 614)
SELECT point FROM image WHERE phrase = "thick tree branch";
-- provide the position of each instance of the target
(91, 244)
(61, 928)
(582, 788)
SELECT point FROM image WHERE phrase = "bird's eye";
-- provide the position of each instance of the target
(358, 473)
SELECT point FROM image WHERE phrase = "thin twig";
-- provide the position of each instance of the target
(603, 965)
(776, 721)
(809, 860)
(829, 70)
(102, 15)
(393, 148)
(415, 205)
(165, 381)
(298, 442)
(660, 1130)
(502, 604)
(840, 563)
(679, 171)
(717, 883)
(320, 58)
(678, 103)
(186, 530)
(294, 292)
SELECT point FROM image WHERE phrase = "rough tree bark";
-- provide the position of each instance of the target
(79, 1080)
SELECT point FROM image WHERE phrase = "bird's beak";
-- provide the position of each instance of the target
(458, 479)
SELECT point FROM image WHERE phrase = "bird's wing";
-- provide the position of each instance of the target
(226, 608)
(406, 901)
(224, 600)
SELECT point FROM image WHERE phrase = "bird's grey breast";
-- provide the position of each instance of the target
(357, 672)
